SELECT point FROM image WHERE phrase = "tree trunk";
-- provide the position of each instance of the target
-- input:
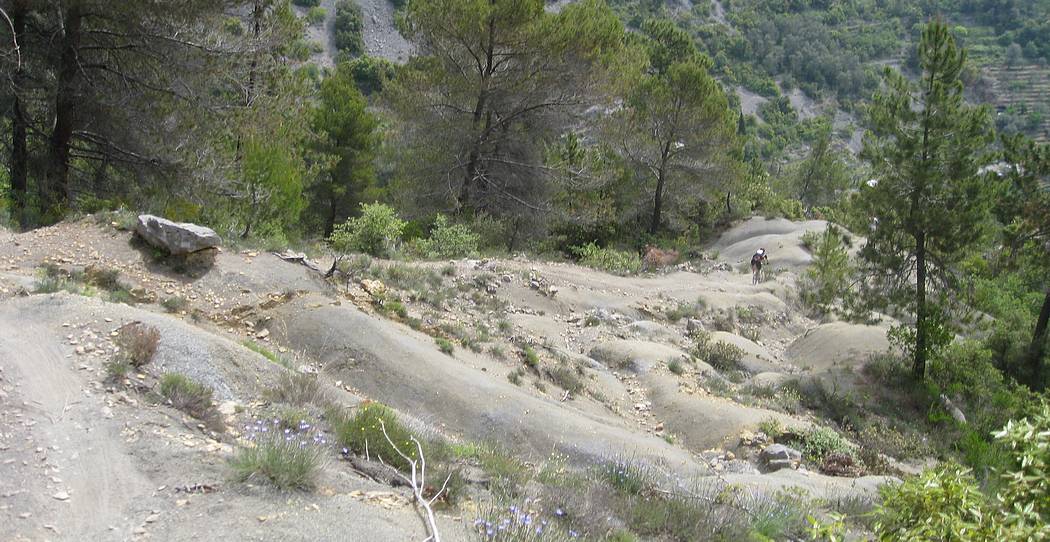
(1038, 346)
(329, 224)
(473, 170)
(919, 367)
(19, 151)
(654, 226)
(55, 193)
(658, 197)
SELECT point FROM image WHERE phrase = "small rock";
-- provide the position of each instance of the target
(61, 496)
(262, 334)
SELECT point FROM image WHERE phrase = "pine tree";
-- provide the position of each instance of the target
(677, 128)
(348, 133)
(494, 81)
(1025, 210)
(926, 147)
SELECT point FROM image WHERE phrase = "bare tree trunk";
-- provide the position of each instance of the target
(1038, 346)
(56, 182)
(658, 197)
(329, 224)
(19, 151)
(473, 170)
(919, 367)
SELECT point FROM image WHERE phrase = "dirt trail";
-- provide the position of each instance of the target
(86, 477)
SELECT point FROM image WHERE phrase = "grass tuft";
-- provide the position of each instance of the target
(191, 397)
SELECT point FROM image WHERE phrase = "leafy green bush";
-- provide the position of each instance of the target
(946, 503)
(376, 232)
(449, 240)
(613, 261)
(370, 73)
(364, 431)
(819, 442)
(348, 27)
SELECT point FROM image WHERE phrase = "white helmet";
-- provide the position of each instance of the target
(761, 251)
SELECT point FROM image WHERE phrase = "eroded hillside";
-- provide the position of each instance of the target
(551, 363)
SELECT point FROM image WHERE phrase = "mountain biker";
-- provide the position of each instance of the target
(757, 260)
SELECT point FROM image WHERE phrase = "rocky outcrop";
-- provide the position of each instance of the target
(174, 237)
(778, 456)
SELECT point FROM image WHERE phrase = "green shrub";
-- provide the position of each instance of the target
(307, 3)
(117, 369)
(530, 357)
(376, 232)
(175, 304)
(946, 503)
(191, 397)
(684, 310)
(370, 73)
(445, 345)
(515, 376)
(287, 464)
(609, 260)
(348, 28)
(720, 355)
(675, 366)
(940, 504)
(364, 431)
(316, 15)
(449, 241)
(819, 442)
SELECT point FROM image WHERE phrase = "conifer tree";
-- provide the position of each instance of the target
(926, 148)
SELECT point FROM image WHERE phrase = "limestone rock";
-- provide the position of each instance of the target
(174, 237)
(778, 456)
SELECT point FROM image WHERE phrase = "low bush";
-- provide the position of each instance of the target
(567, 377)
(348, 28)
(316, 15)
(307, 3)
(138, 343)
(817, 443)
(362, 434)
(376, 232)
(448, 240)
(288, 460)
(530, 357)
(684, 310)
(609, 260)
(175, 304)
(721, 355)
(191, 397)
(117, 369)
(445, 345)
(675, 366)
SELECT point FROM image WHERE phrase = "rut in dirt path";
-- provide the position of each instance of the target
(86, 480)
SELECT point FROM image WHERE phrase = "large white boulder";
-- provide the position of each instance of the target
(175, 237)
